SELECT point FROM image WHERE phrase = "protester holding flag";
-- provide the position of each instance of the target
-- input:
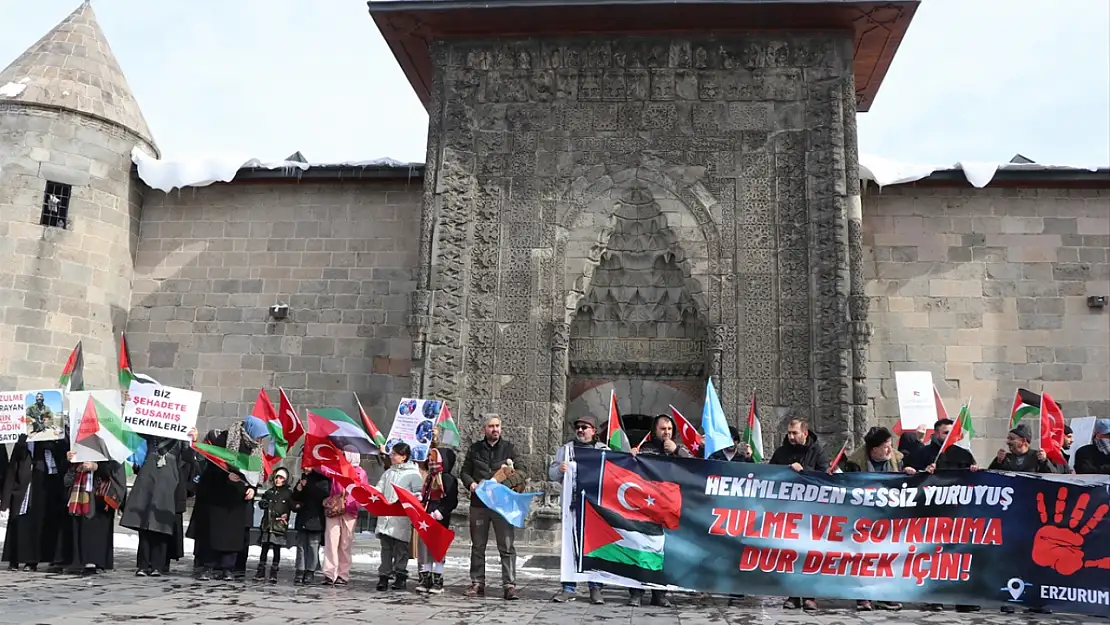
(155, 507)
(1019, 457)
(276, 505)
(802, 451)
(440, 496)
(396, 532)
(34, 495)
(484, 458)
(1094, 459)
(585, 436)
(739, 452)
(308, 501)
(220, 518)
(341, 512)
(662, 441)
(96, 491)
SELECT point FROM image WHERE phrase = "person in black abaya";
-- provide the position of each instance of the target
(157, 503)
(96, 491)
(220, 517)
(34, 495)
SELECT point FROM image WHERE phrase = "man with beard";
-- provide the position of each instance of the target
(801, 451)
(1069, 438)
(39, 415)
(739, 452)
(585, 436)
(1019, 457)
(1094, 459)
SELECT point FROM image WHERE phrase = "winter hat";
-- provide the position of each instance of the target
(353, 457)
(1102, 426)
(1023, 431)
(876, 437)
(283, 471)
(1067, 430)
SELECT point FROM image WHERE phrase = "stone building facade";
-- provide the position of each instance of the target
(628, 214)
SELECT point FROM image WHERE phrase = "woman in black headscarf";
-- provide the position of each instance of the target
(220, 518)
(35, 496)
(157, 503)
(96, 492)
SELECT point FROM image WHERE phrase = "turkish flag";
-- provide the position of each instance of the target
(436, 537)
(290, 422)
(689, 435)
(321, 453)
(638, 499)
(1052, 429)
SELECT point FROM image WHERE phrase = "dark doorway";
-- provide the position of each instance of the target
(636, 426)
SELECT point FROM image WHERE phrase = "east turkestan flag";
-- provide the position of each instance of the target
(607, 536)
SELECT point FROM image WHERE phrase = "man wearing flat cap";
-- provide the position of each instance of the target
(1094, 459)
(585, 436)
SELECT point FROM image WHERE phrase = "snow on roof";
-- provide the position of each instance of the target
(883, 171)
(167, 175)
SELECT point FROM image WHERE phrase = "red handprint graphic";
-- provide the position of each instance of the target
(1061, 548)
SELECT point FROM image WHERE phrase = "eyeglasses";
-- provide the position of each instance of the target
(583, 426)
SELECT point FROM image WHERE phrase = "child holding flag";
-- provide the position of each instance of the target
(440, 495)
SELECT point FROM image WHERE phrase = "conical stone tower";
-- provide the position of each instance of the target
(68, 123)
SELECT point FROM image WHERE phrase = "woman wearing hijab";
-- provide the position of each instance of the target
(440, 495)
(34, 495)
(220, 518)
(96, 492)
(156, 505)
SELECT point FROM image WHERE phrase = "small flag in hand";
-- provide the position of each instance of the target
(511, 505)
(126, 375)
(753, 432)
(369, 425)
(839, 457)
(246, 465)
(714, 423)
(1052, 430)
(690, 436)
(436, 537)
(617, 439)
(448, 430)
(291, 427)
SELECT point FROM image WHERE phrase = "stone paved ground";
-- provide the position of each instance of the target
(118, 597)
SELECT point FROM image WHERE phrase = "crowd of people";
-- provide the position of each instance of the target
(63, 513)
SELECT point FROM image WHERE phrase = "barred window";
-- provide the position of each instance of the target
(55, 205)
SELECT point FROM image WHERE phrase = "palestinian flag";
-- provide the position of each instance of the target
(368, 425)
(606, 536)
(616, 439)
(448, 430)
(345, 432)
(246, 465)
(73, 375)
(753, 431)
(104, 432)
(266, 419)
(126, 376)
(957, 432)
(1026, 404)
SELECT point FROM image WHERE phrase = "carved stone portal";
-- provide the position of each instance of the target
(639, 316)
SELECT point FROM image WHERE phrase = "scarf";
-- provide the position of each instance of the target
(80, 496)
(238, 438)
(433, 483)
(1103, 445)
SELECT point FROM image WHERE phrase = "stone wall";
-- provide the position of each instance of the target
(987, 289)
(59, 286)
(741, 152)
(211, 261)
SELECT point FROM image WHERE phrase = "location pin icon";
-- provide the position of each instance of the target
(1016, 587)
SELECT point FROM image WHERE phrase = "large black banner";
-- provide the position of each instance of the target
(955, 537)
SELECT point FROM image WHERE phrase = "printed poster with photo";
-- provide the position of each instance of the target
(78, 402)
(44, 415)
(13, 407)
(161, 410)
(414, 424)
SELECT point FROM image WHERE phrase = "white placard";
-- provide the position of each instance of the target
(78, 402)
(46, 423)
(1083, 430)
(161, 410)
(414, 424)
(917, 405)
(12, 408)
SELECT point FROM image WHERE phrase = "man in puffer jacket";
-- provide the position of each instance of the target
(395, 532)
(585, 437)
(801, 451)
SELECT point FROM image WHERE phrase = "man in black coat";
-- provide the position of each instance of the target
(484, 458)
(1094, 459)
(801, 451)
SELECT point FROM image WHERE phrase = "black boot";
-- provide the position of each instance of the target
(273, 573)
(383, 582)
(425, 583)
(260, 574)
(309, 577)
(400, 582)
(437, 584)
(298, 578)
